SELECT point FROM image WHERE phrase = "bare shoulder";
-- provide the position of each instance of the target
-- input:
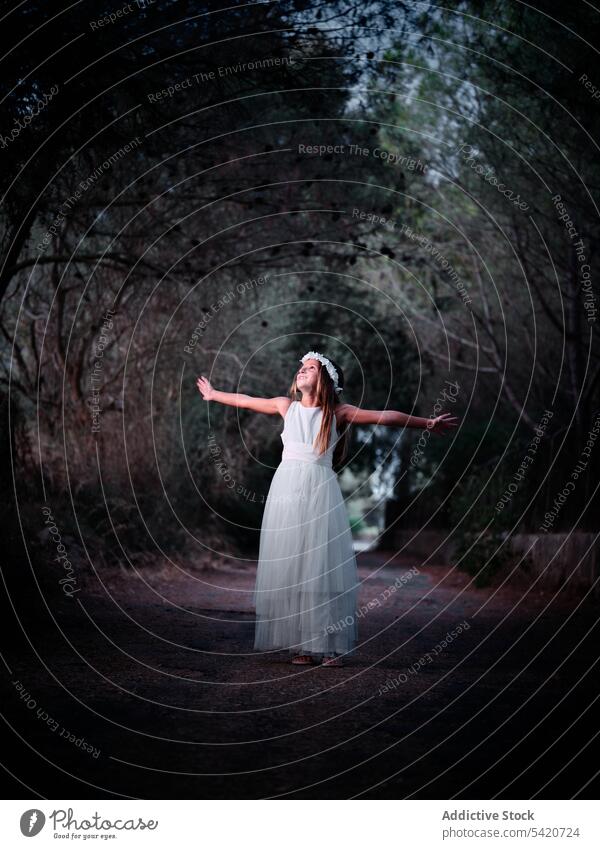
(282, 403)
(343, 413)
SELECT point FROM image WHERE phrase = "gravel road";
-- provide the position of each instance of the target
(147, 687)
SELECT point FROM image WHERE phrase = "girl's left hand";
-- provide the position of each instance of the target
(440, 424)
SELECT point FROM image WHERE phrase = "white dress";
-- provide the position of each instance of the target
(306, 582)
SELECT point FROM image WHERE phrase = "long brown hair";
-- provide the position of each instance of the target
(328, 400)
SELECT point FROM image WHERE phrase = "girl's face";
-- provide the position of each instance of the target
(308, 376)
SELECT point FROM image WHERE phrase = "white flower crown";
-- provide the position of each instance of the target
(331, 370)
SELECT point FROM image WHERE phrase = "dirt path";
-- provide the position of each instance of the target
(162, 684)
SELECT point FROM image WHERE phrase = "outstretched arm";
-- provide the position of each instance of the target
(237, 399)
(394, 418)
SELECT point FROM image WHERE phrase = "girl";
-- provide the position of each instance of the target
(306, 581)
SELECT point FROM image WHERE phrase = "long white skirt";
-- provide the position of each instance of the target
(306, 583)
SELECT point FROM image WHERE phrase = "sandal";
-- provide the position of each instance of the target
(303, 659)
(332, 660)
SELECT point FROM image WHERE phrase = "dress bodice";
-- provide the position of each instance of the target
(301, 426)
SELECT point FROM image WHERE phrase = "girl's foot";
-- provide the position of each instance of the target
(332, 660)
(303, 659)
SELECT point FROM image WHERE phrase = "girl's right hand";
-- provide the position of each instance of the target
(205, 388)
